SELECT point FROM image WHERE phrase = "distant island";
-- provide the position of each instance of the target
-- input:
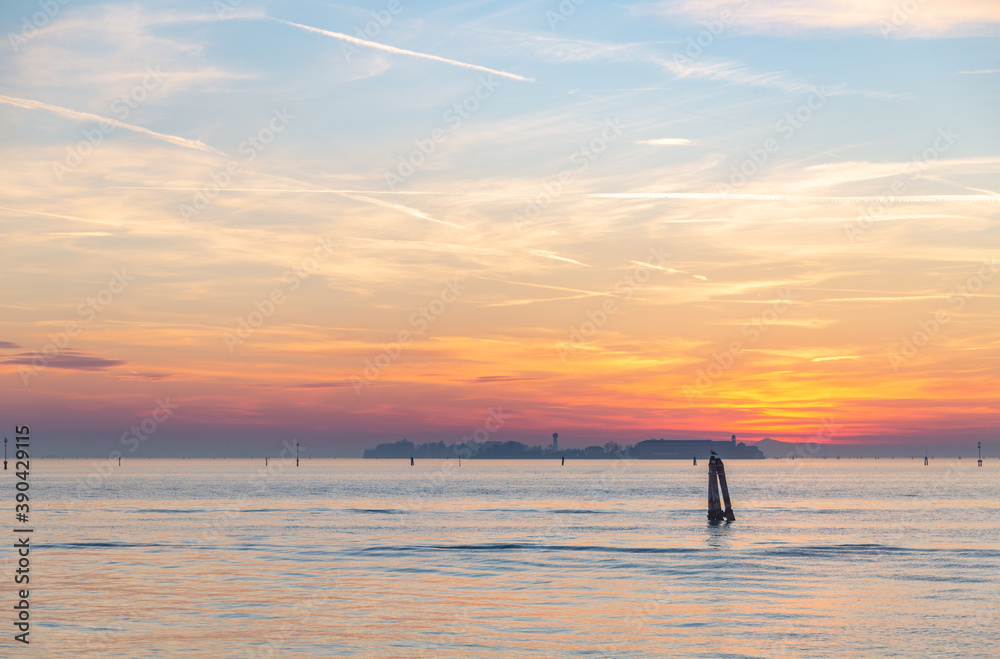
(650, 449)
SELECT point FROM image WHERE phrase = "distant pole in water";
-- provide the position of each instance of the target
(296, 453)
(5, 454)
(696, 461)
(979, 445)
(925, 460)
(265, 460)
(119, 459)
(564, 460)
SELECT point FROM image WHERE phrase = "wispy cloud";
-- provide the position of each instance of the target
(145, 377)
(497, 378)
(400, 51)
(960, 17)
(721, 196)
(667, 141)
(901, 199)
(29, 104)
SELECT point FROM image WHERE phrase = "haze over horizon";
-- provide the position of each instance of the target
(244, 223)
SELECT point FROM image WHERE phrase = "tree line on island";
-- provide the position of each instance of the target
(662, 449)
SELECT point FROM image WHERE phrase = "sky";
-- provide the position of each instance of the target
(228, 225)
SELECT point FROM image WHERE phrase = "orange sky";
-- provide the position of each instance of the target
(586, 226)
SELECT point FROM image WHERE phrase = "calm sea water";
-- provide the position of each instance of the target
(218, 558)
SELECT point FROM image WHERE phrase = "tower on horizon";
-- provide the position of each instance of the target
(555, 441)
(734, 440)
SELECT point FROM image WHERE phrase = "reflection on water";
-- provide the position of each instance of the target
(718, 533)
(494, 559)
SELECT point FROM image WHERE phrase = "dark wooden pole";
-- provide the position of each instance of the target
(714, 507)
(721, 469)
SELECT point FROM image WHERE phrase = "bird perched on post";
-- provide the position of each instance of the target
(714, 453)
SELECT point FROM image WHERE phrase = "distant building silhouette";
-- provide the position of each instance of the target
(555, 441)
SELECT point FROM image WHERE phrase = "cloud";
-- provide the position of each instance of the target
(71, 360)
(497, 378)
(790, 17)
(145, 377)
(554, 49)
(853, 171)
(667, 141)
(29, 104)
(901, 199)
(399, 51)
(7, 345)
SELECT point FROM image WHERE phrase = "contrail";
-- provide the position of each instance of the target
(61, 217)
(28, 104)
(399, 207)
(554, 288)
(399, 51)
(544, 253)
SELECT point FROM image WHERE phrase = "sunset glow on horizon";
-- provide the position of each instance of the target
(356, 225)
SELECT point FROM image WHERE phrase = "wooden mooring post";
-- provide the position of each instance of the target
(714, 507)
(717, 479)
(724, 486)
